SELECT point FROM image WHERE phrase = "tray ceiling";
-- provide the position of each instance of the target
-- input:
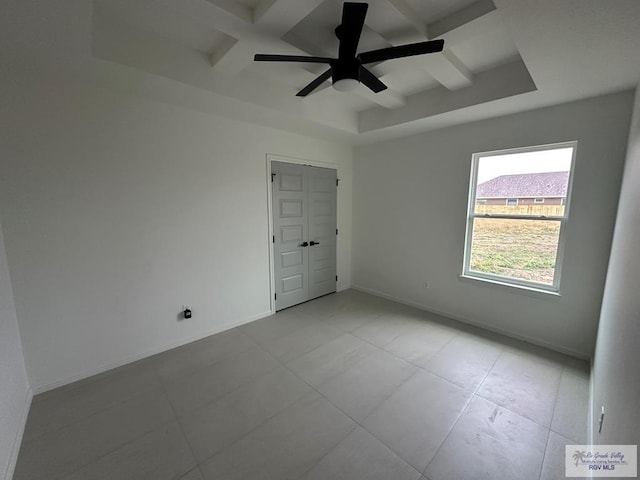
(499, 57)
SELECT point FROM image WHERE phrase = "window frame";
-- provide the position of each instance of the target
(467, 272)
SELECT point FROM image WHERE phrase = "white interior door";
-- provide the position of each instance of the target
(291, 233)
(322, 231)
(304, 227)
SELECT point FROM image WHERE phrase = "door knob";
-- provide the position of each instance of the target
(305, 244)
(312, 243)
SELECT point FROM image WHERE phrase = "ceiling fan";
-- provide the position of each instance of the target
(348, 69)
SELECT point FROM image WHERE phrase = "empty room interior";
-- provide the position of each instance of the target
(316, 239)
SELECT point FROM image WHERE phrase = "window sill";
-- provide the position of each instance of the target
(527, 290)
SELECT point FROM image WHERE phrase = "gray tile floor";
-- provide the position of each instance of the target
(348, 386)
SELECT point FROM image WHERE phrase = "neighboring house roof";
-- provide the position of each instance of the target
(523, 185)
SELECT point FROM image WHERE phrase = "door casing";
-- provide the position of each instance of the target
(298, 161)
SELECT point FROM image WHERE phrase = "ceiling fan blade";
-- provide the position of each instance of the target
(353, 15)
(400, 51)
(259, 57)
(371, 81)
(315, 84)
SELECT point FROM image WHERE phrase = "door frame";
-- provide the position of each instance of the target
(297, 161)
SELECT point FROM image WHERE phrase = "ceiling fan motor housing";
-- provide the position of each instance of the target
(343, 69)
(349, 68)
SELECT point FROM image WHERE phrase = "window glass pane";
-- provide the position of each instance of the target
(524, 183)
(522, 249)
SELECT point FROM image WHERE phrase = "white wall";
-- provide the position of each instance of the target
(119, 210)
(15, 394)
(616, 371)
(410, 201)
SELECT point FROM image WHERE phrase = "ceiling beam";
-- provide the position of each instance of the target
(444, 67)
(231, 56)
(499, 83)
(387, 98)
(279, 16)
(447, 69)
(271, 20)
(410, 15)
(462, 19)
(235, 8)
(129, 48)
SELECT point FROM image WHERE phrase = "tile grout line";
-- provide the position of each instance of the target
(177, 420)
(379, 406)
(97, 459)
(321, 319)
(553, 412)
(544, 455)
(234, 389)
(471, 397)
(458, 333)
(258, 344)
(118, 447)
(243, 328)
(199, 463)
(424, 370)
(316, 390)
(154, 358)
(517, 413)
(328, 452)
(357, 424)
(382, 350)
(97, 412)
(503, 349)
(177, 417)
(280, 412)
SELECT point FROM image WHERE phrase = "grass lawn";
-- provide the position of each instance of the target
(524, 249)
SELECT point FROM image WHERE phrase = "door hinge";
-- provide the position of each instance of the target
(337, 182)
(336, 278)
(272, 175)
(274, 239)
(336, 231)
(275, 296)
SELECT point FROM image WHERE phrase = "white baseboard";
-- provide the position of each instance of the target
(17, 441)
(475, 323)
(90, 373)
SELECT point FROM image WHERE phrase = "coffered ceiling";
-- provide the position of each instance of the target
(500, 56)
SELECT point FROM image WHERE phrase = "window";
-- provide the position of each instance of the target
(519, 243)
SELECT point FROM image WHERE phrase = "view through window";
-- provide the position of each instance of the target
(518, 204)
